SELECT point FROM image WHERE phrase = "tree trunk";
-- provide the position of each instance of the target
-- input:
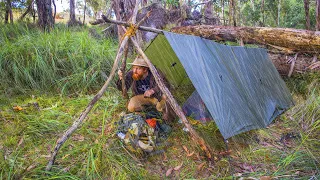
(116, 9)
(252, 5)
(8, 12)
(262, 12)
(55, 11)
(318, 15)
(208, 14)
(222, 9)
(239, 21)
(72, 19)
(45, 18)
(306, 9)
(33, 13)
(232, 15)
(279, 13)
(6, 17)
(84, 11)
(128, 6)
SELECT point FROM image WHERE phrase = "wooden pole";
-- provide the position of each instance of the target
(173, 103)
(123, 70)
(84, 113)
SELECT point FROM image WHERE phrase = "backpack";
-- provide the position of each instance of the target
(136, 134)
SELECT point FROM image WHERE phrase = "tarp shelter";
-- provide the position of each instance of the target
(240, 86)
(195, 108)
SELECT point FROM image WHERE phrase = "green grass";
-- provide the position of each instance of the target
(53, 77)
(92, 152)
(65, 61)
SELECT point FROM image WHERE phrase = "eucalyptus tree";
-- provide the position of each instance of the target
(45, 18)
(72, 19)
(8, 11)
(307, 17)
(317, 15)
(97, 5)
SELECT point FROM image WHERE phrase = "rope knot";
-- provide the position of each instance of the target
(131, 30)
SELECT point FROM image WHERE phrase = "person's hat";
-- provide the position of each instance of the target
(139, 62)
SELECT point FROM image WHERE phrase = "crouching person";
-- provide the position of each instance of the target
(144, 89)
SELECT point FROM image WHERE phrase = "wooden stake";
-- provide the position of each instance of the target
(123, 70)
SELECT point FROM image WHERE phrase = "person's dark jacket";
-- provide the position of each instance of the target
(168, 113)
(153, 85)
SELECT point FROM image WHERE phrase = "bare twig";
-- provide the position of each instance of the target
(27, 11)
(97, 21)
(109, 27)
(314, 59)
(293, 62)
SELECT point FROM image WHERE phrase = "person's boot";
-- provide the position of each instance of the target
(161, 104)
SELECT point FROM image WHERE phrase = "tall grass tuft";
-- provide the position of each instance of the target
(64, 60)
(305, 117)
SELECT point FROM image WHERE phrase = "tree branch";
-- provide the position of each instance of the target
(143, 28)
(85, 112)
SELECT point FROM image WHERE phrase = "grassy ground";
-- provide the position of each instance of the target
(287, 149)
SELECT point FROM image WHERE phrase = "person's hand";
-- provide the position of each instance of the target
(148, 93)
(120, 74)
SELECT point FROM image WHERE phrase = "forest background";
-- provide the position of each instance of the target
(52, 63)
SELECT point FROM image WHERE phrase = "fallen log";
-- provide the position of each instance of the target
(285, 39)
(280, 58)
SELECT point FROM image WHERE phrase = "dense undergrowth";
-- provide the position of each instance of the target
(70, 61)
(65, 60)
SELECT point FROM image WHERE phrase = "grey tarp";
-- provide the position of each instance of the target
(240, 86)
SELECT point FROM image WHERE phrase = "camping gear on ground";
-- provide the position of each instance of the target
(240, 86)
(141, 135)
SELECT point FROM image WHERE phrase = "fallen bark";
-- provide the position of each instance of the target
(285, 39)
(303, 63)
